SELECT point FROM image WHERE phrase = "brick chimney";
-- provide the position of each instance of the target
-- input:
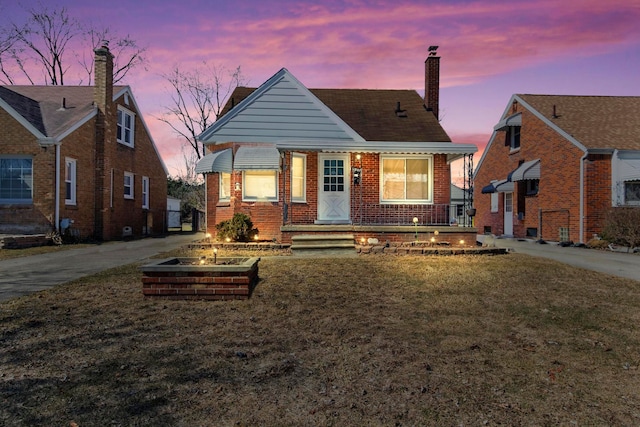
(432, 81)
(103, 76)
(104, 134)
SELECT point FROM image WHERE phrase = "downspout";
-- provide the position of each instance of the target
(582, 160)
(57, 192)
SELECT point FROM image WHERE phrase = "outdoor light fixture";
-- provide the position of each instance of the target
(357, 171)
(415, 223)
(256, 237)
(215, 255)
(462, 242)
(208, 236)
(202, 259)
(237, 186)
(228, 239)
(362, 240)
(433, 240)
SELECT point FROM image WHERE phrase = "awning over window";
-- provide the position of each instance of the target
(501, 186)
(527, 170)
(257, 158)
(218, 161)
(513, 120)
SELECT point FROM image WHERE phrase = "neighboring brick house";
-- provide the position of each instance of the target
(301, 160)
(79, 159)
(559, 163)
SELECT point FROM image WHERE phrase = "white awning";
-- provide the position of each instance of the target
(527, 170)
(499, 186)
(263, 157)
(513, 120)
(218, 161)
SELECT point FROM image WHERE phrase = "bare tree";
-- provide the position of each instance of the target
(40, 46)
(127, 53)
(198, 97)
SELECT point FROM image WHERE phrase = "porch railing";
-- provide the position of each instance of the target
(437, 214)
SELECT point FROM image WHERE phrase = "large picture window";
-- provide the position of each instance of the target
(298, 178)
(125, 132)
(16, 180)
(70, 181)
(406, 179)
(260, 185)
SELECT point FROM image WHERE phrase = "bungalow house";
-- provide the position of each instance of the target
(79, 160)
(556, 164)
(358, 161)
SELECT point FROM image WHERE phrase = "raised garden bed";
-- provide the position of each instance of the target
(200, 279)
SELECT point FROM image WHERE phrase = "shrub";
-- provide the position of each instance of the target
(622, 227)
(239, 228)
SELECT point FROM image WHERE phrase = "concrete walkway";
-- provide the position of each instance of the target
(619, 264)
(25, 275)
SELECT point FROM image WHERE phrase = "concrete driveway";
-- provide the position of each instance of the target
(619, 264)
(25, 275)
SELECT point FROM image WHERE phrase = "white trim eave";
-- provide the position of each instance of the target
(538, 115)
(24, 122)
(379, 147)
(550, 123)
(208, 136)
(78, 124)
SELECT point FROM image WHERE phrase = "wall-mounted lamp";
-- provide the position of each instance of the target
(357, 175)
(237, 187)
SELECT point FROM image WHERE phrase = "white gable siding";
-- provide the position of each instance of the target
(285, 110)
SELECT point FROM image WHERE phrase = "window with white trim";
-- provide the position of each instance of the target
(128, 185)
(145, 192)
(494, 202)
(260, 185)
(513, 137)
(406, 179)
(632, 192)
(298, 177)
(126, 125)
(16, 180)
(224, 181)
(70, 183)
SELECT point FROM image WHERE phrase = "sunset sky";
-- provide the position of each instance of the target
(490, 49)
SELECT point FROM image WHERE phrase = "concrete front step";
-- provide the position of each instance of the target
(323, 244)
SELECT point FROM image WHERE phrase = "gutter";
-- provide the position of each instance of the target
(582, 160)
(45, 143)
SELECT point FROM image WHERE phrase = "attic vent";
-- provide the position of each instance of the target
(63, 106)
(399, 111)
(555, 112)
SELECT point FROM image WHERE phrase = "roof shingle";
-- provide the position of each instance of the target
(597, 122)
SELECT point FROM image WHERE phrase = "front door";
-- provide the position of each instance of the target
(333, 189)
(508, 214)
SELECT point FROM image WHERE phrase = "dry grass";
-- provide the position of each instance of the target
(374, 340)
(38, 250)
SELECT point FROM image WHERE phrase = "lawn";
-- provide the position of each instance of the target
(372, 340)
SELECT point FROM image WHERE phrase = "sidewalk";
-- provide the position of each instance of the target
(25, 275)
(619, 264)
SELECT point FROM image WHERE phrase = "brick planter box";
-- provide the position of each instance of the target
(186, 279)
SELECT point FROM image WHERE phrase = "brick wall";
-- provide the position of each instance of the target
(38, 217)
(558, 199)
(268, 217)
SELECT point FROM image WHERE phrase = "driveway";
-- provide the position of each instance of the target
(619, 264)
(25, 275)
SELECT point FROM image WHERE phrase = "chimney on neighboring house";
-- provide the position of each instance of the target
(104, 134)
(432, 81)
(103, 76)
